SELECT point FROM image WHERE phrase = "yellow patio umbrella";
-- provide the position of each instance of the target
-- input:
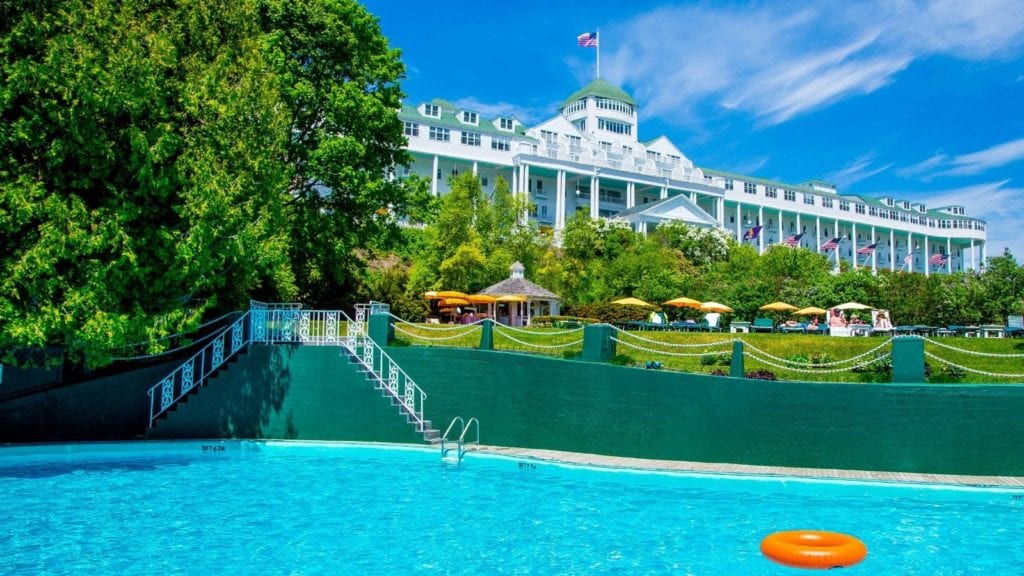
(481, 299)
(852, 306)
(431, 295)
(810, 311)
(778, 307)
(451, 294)
(632, 302)
(454, 302)
(715, 307)
(510, 298)
(683, 302)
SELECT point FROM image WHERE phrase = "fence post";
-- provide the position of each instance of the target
(381, 329)
(736, 364)
(487, 334)
(907, 359)
(598, 345)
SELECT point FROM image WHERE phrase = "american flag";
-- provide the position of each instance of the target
(587, 40)
(752, 233)
(867, 249)
(937, 259)
(830, 245)
(794, 240)
(908, 258)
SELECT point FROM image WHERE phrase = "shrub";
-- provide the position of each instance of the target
(622, 360)
(570, 354)
(716, 360)
(719, 372)
(549, 321)
(761, 375)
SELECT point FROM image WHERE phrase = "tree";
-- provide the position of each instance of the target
(339, 84)
(140, 182)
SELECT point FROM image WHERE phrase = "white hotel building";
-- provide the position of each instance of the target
(588, 157)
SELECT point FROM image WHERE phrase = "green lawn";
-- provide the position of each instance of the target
(703, 352)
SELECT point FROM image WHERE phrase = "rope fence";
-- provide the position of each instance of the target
(757, 350)
(971, 352)
(665, 352)
(675, 344)
(467, 331)
(820, 371)
(501, 332)
(972, 370)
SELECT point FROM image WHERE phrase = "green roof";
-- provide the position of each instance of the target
(600, 89)
(450, 119)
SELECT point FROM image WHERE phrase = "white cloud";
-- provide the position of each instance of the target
(1000, 205)
(859, 169)
(966, 164)
(778, 61)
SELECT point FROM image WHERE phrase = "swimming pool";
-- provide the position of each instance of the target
(233, 508)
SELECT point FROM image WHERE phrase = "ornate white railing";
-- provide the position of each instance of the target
(194, 371)
(391, 378)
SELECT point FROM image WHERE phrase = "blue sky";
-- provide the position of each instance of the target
(919, 100)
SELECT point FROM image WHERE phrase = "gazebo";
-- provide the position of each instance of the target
(538, 301)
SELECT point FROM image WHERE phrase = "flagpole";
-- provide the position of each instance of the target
(598, 52)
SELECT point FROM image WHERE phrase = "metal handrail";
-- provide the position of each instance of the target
(194, 371)
(464, 427)
(391, 376)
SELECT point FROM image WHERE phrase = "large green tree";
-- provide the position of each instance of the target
(164, 161)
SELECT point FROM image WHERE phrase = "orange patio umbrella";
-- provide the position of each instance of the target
(683, 302)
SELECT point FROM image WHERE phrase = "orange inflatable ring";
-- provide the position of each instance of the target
(813, 549)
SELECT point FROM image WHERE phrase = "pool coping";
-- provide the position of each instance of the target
(598, 460)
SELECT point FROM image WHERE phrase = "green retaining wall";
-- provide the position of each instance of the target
(537, 402)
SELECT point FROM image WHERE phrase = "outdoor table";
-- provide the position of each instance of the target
(992, 331)
(860, 329)
(739, 327)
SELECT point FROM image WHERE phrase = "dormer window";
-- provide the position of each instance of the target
(432, 110)
(506, 123)
(888, 201)
(469, 117)
(548, 136)
(906, 205)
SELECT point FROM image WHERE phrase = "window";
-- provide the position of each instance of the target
(440, 134)
(548, 136)
(674, 160)
(826, 203)
(471, 138)
(431, 110)
(580, 124)
(771, 192)
(412, 129)
(506, 124)
(749, 188)
(627, 150)
(540, 186)
(858, 208)
(576, 106)
(652, 155)
(483, 181)
(606, 146)
(615, 105)
(616, 127)
(728, 184)
(844, 205)
(809, 199)
(499, 143)
(575, 141)
(789, 195)
(469, 117)
(873, 210)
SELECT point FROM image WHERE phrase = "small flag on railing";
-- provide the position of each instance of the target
(587, 40)
(752, 233)
(830, 245)
(869, 249)
(937, 259)
(794, 240)
(908, 258)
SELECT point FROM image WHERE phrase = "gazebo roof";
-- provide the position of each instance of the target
(520, 286)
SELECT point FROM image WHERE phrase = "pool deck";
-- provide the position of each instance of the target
(741, 469)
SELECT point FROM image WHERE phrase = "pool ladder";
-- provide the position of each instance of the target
(460, 443)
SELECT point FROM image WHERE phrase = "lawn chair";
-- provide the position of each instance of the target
(763, 325)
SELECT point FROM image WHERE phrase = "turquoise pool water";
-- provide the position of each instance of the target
(251, 508)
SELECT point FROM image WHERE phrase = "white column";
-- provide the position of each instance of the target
(927, 255)
(721, 210)
(664, 192)
(560, 200)
(693, 197)
(817, 233)
(974, 265)
(949, 255)
(526, 180)
(763, 232)
(595, 193)
(892, 250)
(799, 230)
(782, 229)
(853, 250)
(515, 179)
(874, 253)
(739, 224)
(433, 178)
(984, 253)
(910, 250)
(474, 168)
(630, 194)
